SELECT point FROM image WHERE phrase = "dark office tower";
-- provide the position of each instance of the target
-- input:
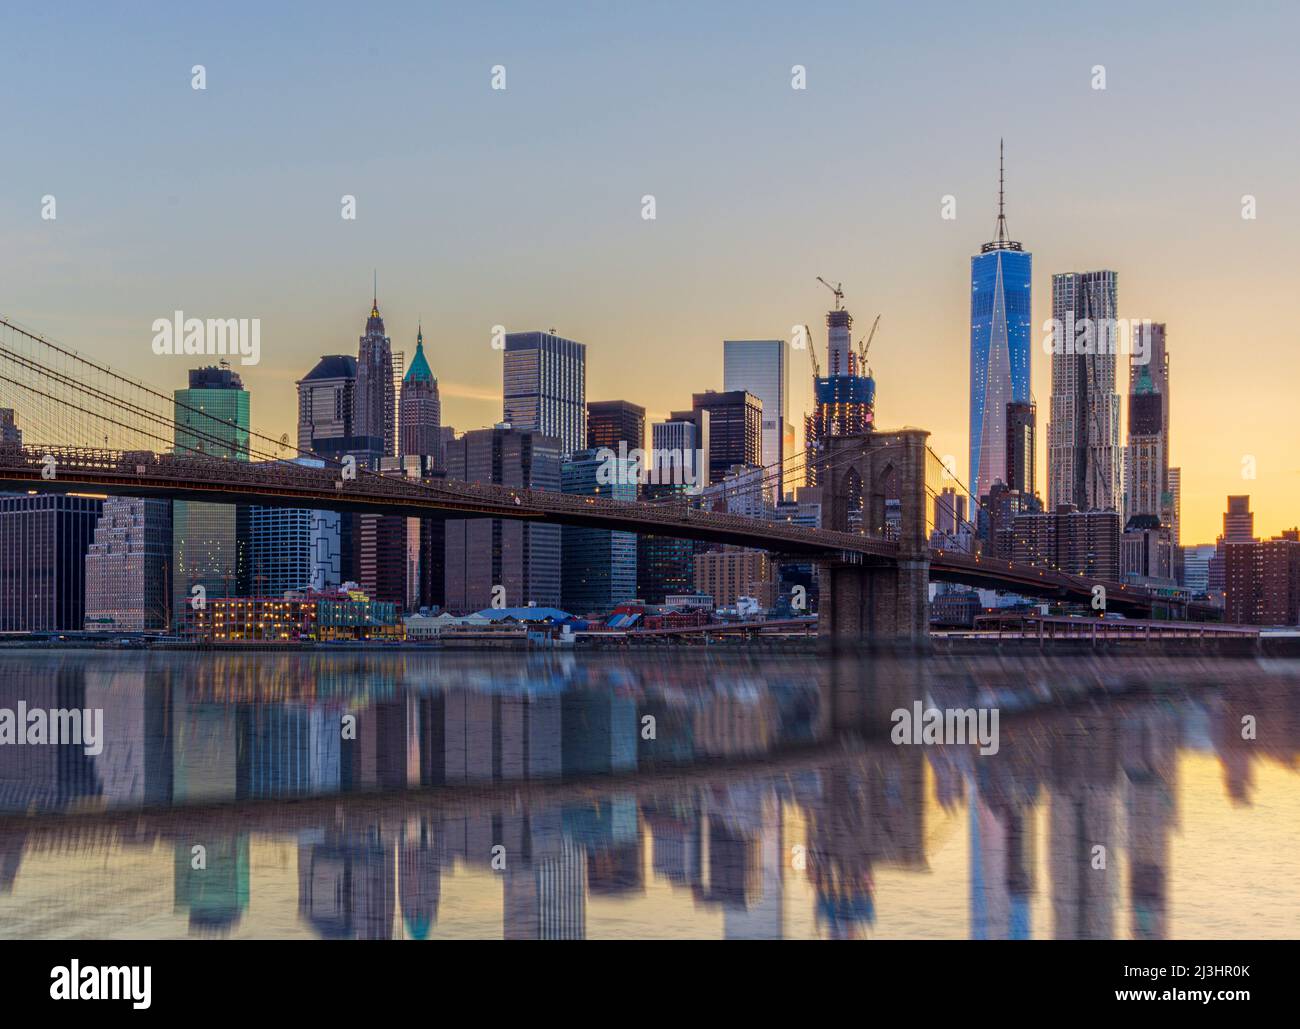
(1149, 487)
(9, 431)
(545, 387)
(210, 541)
(735, 430)
(326, 398)
(1001, 275)
(375, 410)
(381, 557)
(421, 410)
(486, 552)
(611, 422)
(1238, 520)
(599, 566)
(433, 563)
(1146, 467)
(664, 564)
(43, 544)
(1238, 527)
(1022, 441)
(1085, 462)
(127, 567)
(997, 514)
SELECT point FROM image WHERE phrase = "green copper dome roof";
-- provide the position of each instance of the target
(419, 370)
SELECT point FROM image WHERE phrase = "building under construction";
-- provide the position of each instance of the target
(843, 401)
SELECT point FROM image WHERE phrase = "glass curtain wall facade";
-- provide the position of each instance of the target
(599, 567)
(1000, 348)
(43, 543)
(762, 367)
(545, 387)
(210, 541)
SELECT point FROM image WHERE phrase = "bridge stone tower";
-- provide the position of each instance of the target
(875, 483)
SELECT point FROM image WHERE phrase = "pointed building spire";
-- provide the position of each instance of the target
(1003, 240)
(1002, 213)
(419, 371)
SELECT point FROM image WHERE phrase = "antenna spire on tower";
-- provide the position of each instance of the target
(1002, 216)
(1003, 241)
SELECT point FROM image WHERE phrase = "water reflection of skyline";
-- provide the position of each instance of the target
(747, 796)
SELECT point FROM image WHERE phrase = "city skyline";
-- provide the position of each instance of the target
(726, 257)
(670, 471)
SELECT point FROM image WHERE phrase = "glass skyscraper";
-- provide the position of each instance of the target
(762, 367)
(598, 566)
(279, 549)
(44, 538)
(664, 564)
(545, 388)
(1001, 275)
(209, 541)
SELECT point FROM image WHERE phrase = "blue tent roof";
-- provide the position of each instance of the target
(525, 614)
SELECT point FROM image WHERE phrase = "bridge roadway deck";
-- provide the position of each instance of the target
(198, 478)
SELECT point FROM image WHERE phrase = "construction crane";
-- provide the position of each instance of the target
(812, 352)
(837, 289)
(864, 346)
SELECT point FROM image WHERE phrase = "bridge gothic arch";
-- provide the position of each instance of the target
(885, 598)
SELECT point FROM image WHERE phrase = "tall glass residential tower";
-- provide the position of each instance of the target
(1000, 345)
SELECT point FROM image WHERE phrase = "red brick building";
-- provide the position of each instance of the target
(1262, 580)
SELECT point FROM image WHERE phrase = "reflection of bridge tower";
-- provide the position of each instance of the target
(863, 597)
(871, 812)
(1150, 762)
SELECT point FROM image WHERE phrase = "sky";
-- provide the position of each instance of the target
(522, 207)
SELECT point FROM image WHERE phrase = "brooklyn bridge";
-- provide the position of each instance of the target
(103, 432)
